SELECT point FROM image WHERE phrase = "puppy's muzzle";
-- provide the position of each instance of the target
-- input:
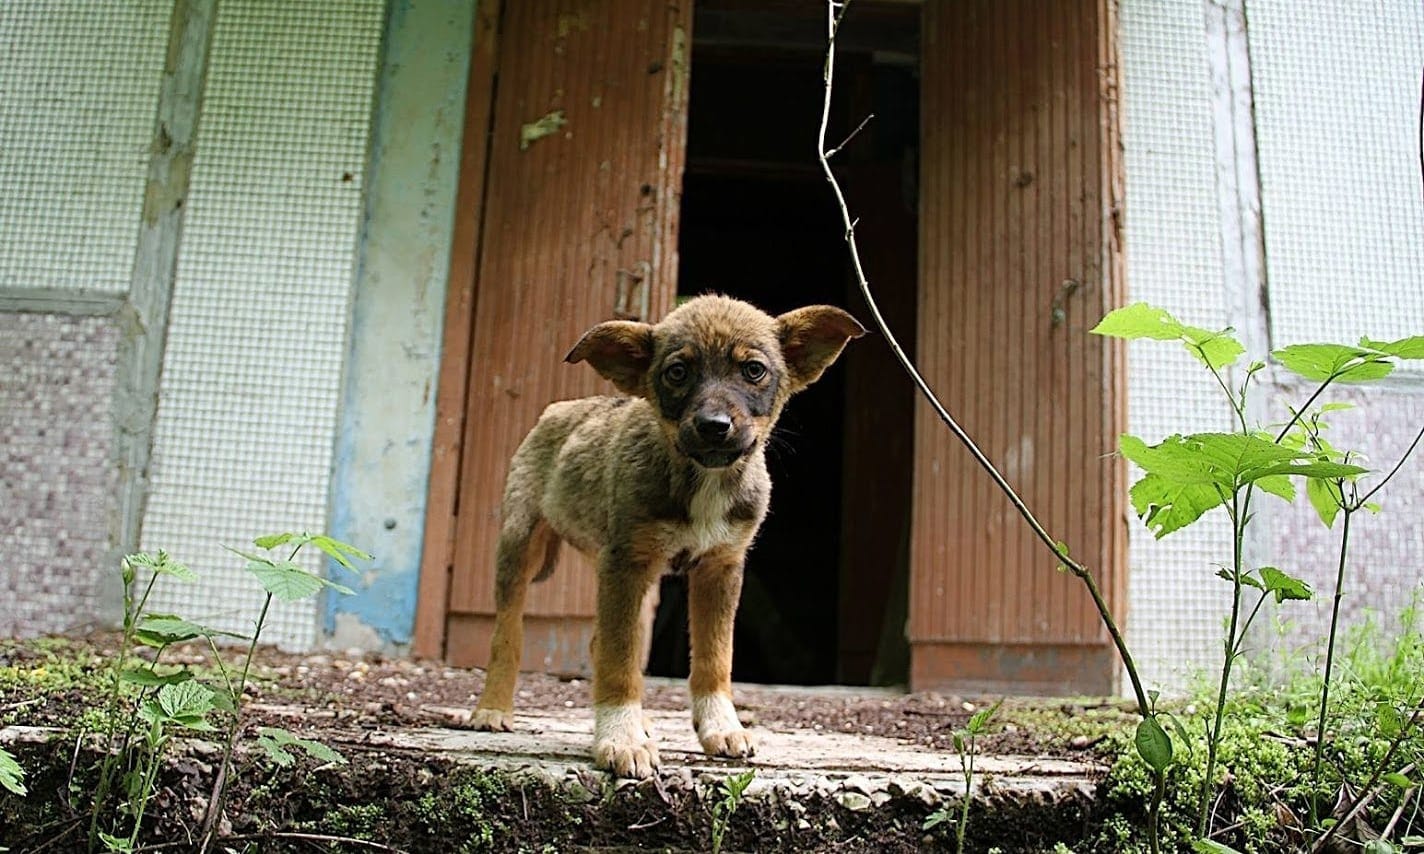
(712, 439)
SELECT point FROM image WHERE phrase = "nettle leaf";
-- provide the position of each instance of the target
(1216, 350)
(980, 719)
(1246, 578)
(1153, 745)
(185, 700)
(275, 740)
(271, 541)
(1340, 362)
(1284, 586)
(1211, 846)
(1175, 458)
(1139, 320)
(1278, 485)
(1388, 719)
(1324, 495)
(168, 629)
(1404, 348)
(1394, 778)
(1166, 506)
(1189, 475)
(12, 776)
(252, 558)
(289, 582)
(285, 580)
(160, 563)
(338, 551)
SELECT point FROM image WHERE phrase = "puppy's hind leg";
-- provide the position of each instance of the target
(524, 551)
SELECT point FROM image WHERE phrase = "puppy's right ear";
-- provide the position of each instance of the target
(620, 350)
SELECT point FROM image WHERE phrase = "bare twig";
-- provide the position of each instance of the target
(305, 837)
(1368, 791)
(834, 12)
(1404, 800)
(850, 136)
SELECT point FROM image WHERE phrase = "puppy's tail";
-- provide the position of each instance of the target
(526, 553)
(551, 557)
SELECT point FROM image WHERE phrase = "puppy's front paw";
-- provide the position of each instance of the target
(492, 720)
(735, 743)
(718, 730)
(621, 743)
(626, 758)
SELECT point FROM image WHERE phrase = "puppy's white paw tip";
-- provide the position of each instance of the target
(492, 720)
(737, 743)
(630, 759)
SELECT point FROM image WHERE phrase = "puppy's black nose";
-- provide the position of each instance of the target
(712, 427)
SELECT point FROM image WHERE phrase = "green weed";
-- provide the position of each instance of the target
(146, 703)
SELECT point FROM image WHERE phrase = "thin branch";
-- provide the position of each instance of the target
(1397, 466)
(1367, 792)
(262, 837)
(858, 128)
(1059, 552)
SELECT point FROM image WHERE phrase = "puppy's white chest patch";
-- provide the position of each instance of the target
(708, 510)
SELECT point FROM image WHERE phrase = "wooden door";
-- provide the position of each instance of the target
(1019, 257)
(576, 223)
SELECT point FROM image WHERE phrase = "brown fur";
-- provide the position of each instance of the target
(673, 477)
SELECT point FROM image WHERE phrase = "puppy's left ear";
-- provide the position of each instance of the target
(812, 338)
(620, 350)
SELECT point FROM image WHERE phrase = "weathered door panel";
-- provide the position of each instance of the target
(580, 208)
(1018, 259)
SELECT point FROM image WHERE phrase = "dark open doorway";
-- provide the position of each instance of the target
(824, 598)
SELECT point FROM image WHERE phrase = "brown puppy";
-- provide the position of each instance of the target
(671, 479)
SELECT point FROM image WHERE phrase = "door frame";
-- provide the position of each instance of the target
(443, 492)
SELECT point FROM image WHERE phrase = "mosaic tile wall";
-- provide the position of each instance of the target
(1337, 108)
(56, 476)
(257, 335)
(1336, 100)
(78, 91)
(1385, 572)
(1173, 248)
(1336, 85)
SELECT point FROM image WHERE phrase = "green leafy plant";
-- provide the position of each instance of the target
(12, 776)
(148, 704)
(1185, 477)
(730, 791)
(281, 579)
(966, 744)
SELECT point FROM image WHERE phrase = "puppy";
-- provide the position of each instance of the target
(671, 478)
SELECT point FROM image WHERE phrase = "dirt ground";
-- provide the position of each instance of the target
(343, 694)
(365, 690)
(372, 690)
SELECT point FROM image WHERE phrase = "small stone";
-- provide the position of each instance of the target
(858, 783)
(802, 824)
(854, 801)
(880, 798)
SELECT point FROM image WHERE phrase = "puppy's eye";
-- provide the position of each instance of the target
(753, 371)
(675, 374)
